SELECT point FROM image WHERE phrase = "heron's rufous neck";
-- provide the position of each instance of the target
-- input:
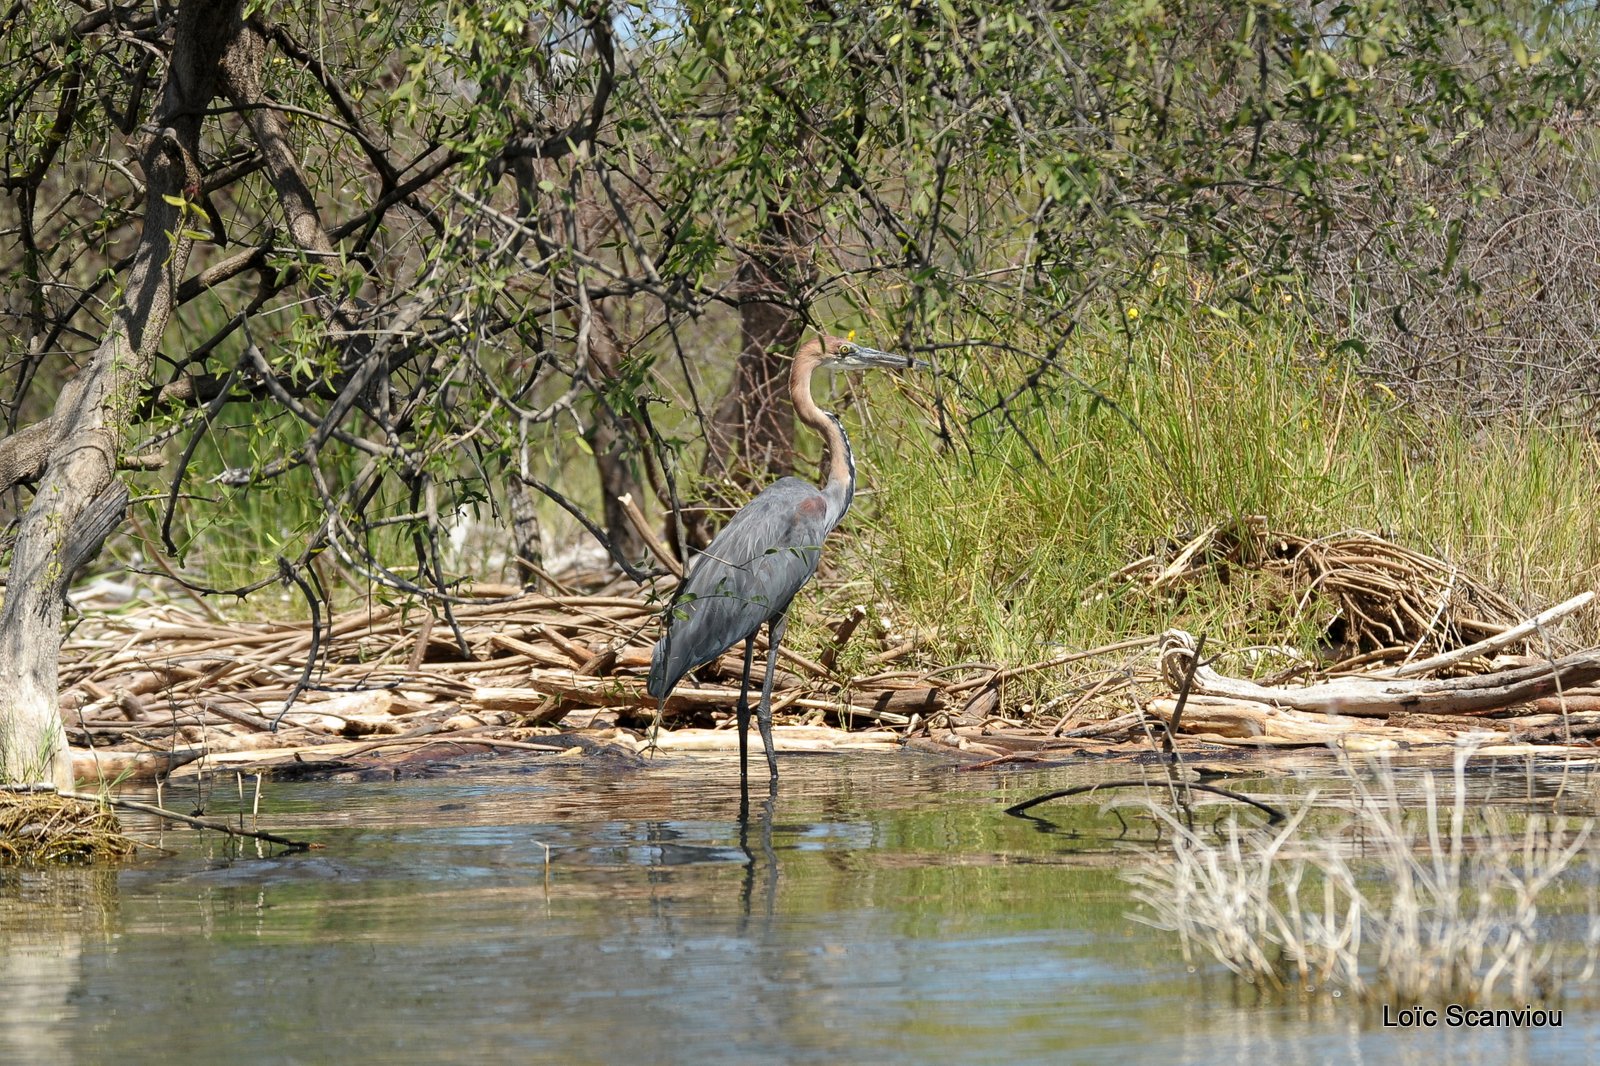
(839, 469)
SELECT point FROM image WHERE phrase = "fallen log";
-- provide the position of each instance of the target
(581, 691)
(535, 706)
(923, 700)
(1118, 724)
(1224, 717)
(110, 767)
(784, 738)
(1379, 698)
(1580, 702)
(1576, 719)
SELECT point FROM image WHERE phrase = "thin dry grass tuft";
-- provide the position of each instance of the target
(1440, 904)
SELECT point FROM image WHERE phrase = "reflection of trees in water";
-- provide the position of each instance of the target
(45, 917)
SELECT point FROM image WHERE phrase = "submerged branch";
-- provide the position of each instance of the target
(188, 819)
(1274, 815)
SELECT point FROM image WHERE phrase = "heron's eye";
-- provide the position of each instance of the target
(847, 349)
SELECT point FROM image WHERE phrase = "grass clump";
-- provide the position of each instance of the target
(43, 829)
(1437, 903)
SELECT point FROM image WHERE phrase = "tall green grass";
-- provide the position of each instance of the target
(998, 547)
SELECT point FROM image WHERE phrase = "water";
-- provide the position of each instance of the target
(885, 912)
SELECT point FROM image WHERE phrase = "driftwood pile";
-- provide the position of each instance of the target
(1514, 699)
(1372, 599)
(1425, 655)
(1430, 655)
(164, 686)
(147, 691)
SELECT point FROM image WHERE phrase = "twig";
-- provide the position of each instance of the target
(166, 568)
(1491, 644)
(1059, 660)
(287, 574)
(841, 636)
(640, 576)
(1274, 816)
(1098, 729)
(419, 650)
(640, 526)
(198, 823)
(1077, 704)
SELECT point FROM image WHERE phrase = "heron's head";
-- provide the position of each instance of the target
(845, 353)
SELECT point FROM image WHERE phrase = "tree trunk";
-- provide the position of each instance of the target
(527, 536)
(78, 500)
(609, 439)
(750, 435)
(610, 435)
(527, 533)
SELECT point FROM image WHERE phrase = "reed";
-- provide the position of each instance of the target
(1442, 901)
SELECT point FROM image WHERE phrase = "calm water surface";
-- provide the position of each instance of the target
(883, 911)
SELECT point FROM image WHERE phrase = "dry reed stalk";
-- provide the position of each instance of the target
(1410, 902)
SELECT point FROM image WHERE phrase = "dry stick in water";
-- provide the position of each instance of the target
(198, 823)
(1183, 696)
(1169, 731)
(1274, 816)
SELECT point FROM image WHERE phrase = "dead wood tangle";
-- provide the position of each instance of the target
(1430, 658)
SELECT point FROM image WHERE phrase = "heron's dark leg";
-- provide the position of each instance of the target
(775, 630)
(741, 712)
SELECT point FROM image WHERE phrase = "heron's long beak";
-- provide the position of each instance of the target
(864, 357)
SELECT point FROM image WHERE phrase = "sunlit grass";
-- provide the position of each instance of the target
(998, 546)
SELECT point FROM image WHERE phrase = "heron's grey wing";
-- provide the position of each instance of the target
(748, 575)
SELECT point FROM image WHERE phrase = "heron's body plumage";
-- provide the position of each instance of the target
(745, 579)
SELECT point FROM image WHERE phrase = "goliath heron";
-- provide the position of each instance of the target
(752, 569)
